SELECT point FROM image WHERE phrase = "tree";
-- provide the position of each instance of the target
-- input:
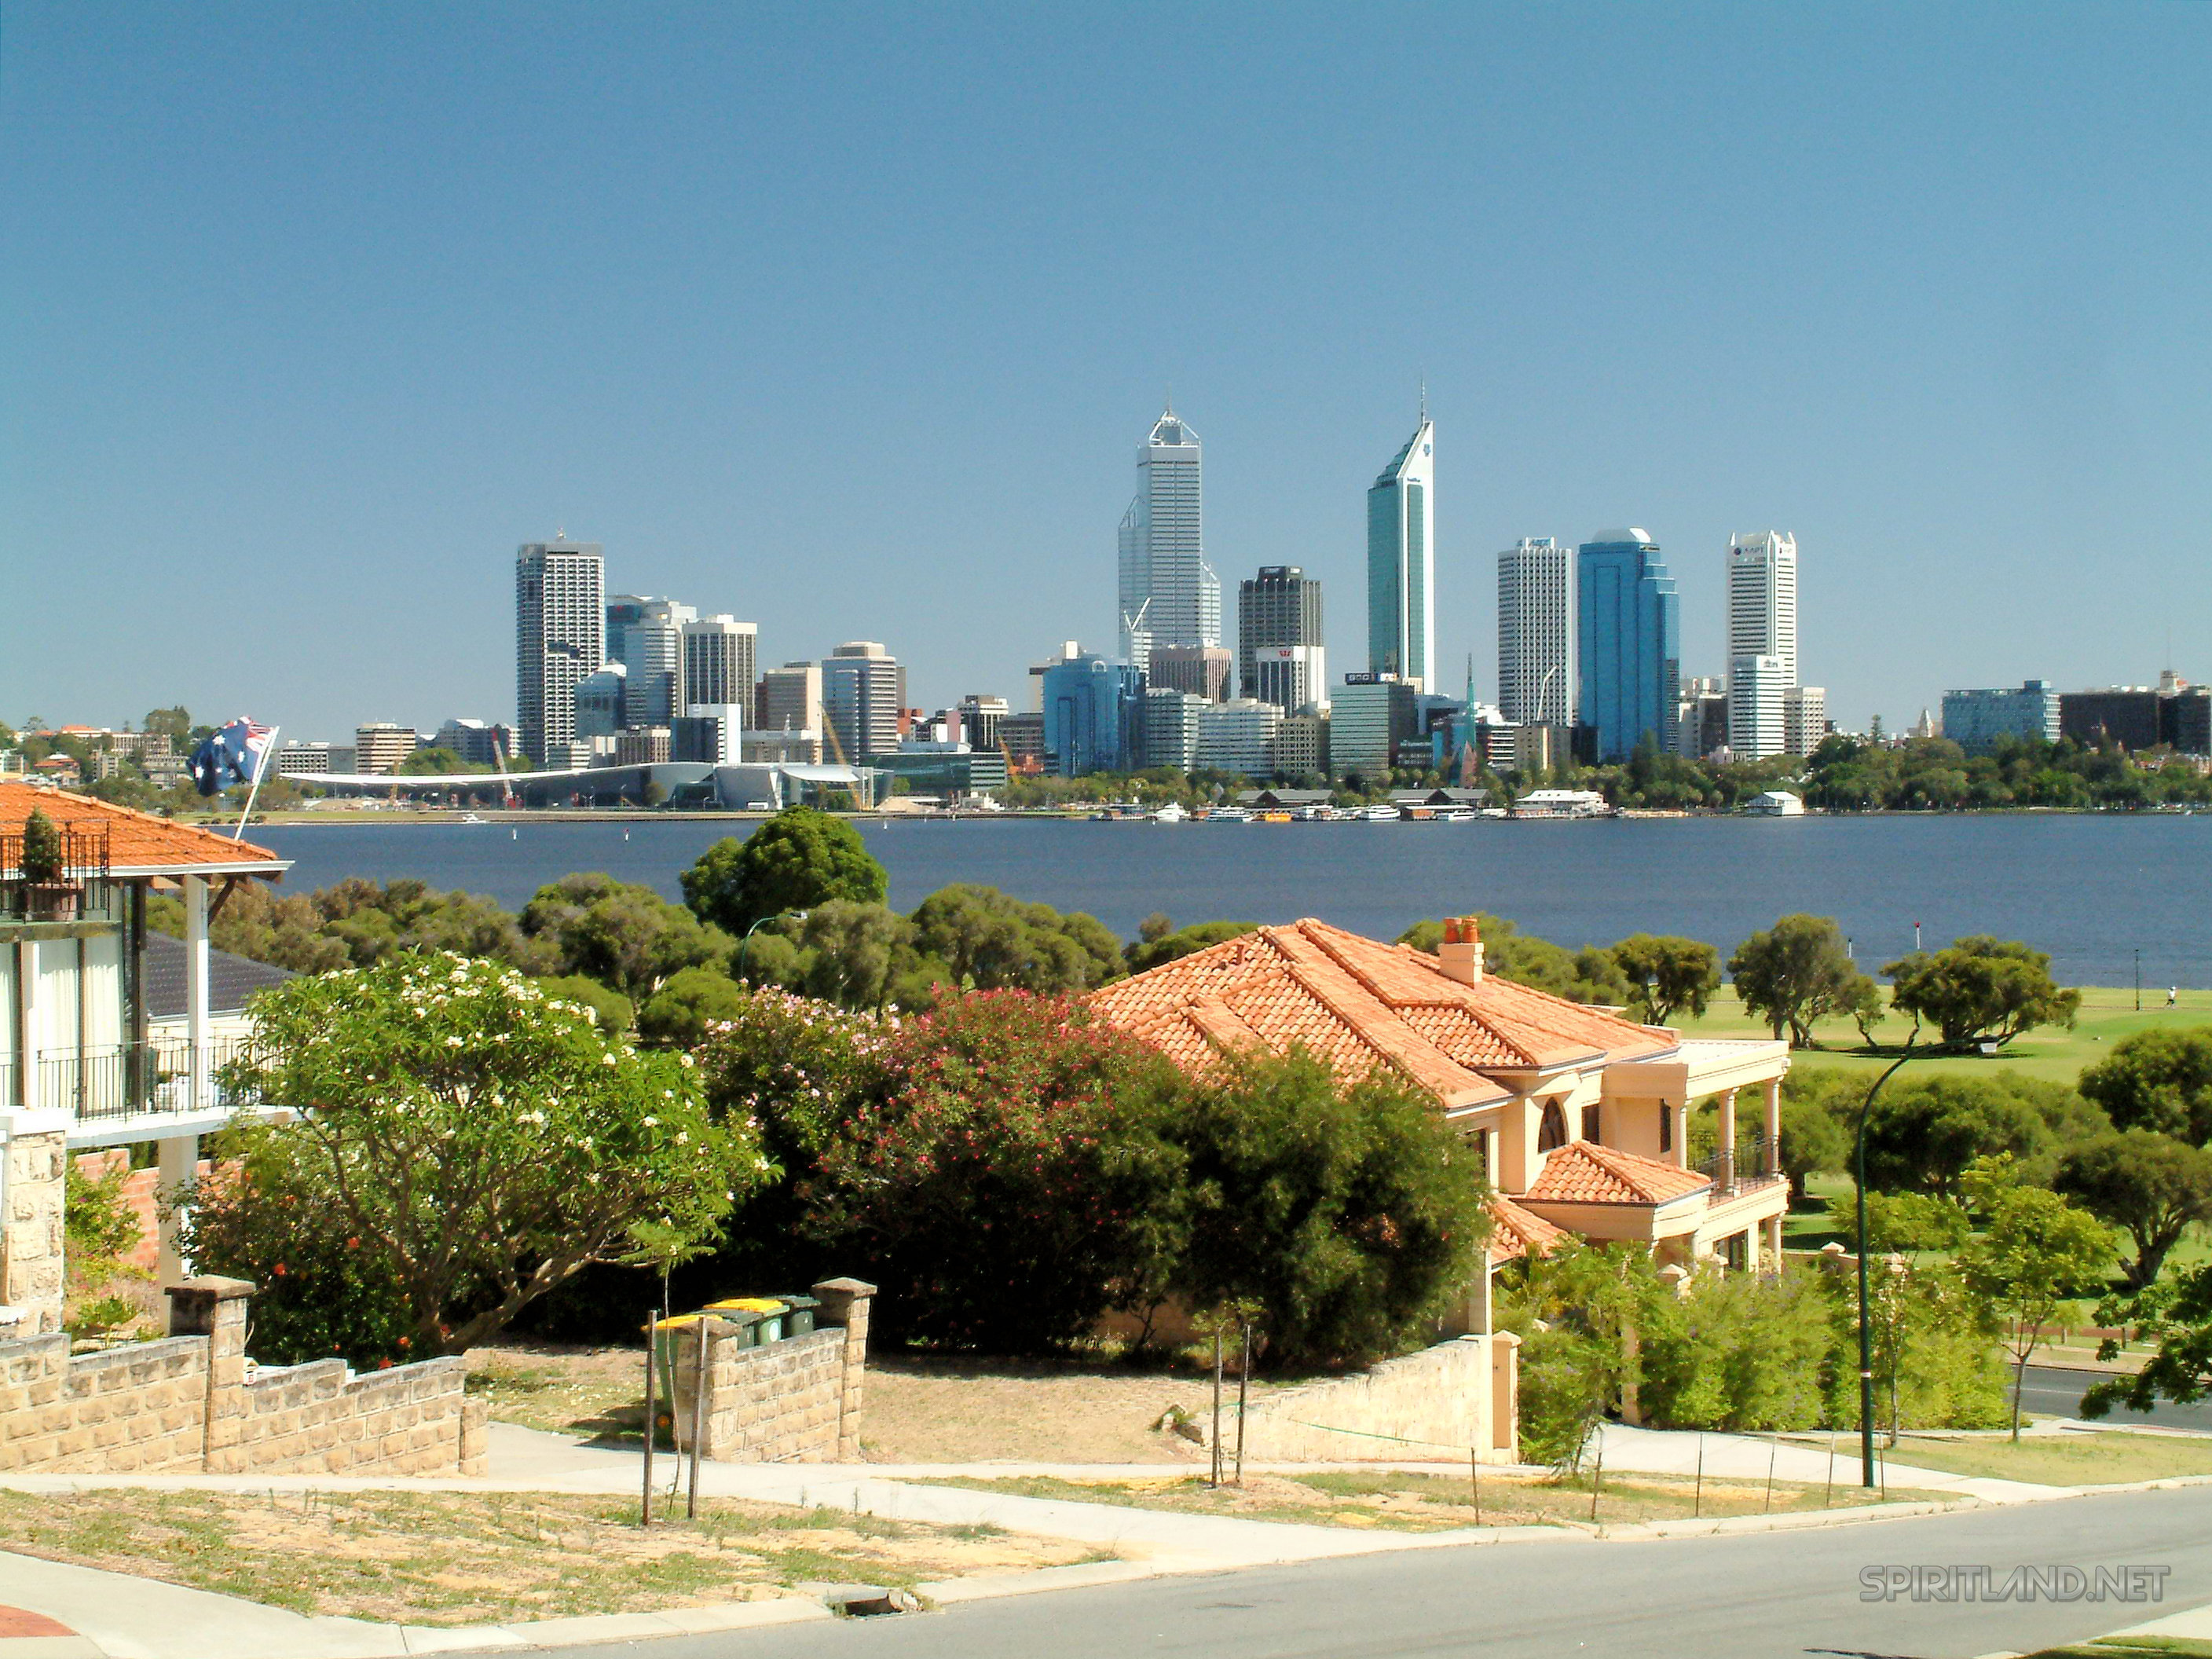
(1980, 989)
(2175, 1312)
(799, 858)
(856, 954)
(1924, 1133)
(1670, 975)
(1900, 1221)
(679, 1012)
(1153, 950)
(174, 724)
(1795, 975)
(2150, 1186)
(1013, 1185)
(2158, 1079)
(434, 762)
(2033, 1251)
(623, 935)
(483, 1143)
(1349, 1214)
(612, 1008)
(993, 941)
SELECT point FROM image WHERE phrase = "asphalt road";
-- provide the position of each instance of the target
(1748, 1597)
(2051, 1390)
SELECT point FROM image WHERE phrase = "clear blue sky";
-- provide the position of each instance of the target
(848, 320)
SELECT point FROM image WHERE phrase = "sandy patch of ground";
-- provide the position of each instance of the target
(475, 1557)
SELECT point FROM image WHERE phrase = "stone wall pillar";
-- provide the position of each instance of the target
(215, 1309)
(33, 1153)
(845, 1302)
(1506, 1395)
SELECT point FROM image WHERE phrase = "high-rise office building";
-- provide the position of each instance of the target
(718, 656)
(1369, 716)
(1092, 714)
(789, 698)
(1401, 604)
(1536, 633)
(1202, 670)
(645, 635)
(1238, 736)
(1762, 627)
(981, 716)
(380, 746)
(1168, 594)
(1804, 719)
(1280, 606)
(1291, 676)
(1069, 649)
(1170, 722)
(560, 622)
(863, 688)
(1976, 720)
(602, 710)
(1627, 642)
(1701, 718)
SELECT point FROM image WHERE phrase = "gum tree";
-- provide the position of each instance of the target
(477, 1142)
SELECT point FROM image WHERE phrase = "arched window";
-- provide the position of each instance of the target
(1666, 1126)
(1552, 1132)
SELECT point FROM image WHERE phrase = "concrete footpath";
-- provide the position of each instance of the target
(51, 1611)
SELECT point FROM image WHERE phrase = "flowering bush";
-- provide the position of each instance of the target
(482, 1141)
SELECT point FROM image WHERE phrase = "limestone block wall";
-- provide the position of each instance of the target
(33, 1148)
(793, 1401)
(142, 1408)
(315, 1420)
(1459, 1395)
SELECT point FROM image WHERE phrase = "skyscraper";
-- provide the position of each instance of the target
(718, 664)
(645, 635)
(1280, 606)
(789, 698)
(1627, 642)
(1167, 593)
(1202, 670)
(1762, 641)
(1092, 714)
(862, 689)
(560, 618)
(1536, 633)
(1402, 606)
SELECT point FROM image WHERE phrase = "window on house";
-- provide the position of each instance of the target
(1666, 1126)
(1552, 1132)
(1591, 1124)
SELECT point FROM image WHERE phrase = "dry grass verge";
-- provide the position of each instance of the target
(2063, 1460)
(470, 1557)
(1433, 1503)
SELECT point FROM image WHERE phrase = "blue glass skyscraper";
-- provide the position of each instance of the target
(1092, 713)
(1628, 637)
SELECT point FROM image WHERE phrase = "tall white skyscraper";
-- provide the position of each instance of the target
(1168, 594)
(560, 622)
(645, 635)
(862, 687)
(1536, 633)
(1402, 603)
(718, 662)
(1762, 635)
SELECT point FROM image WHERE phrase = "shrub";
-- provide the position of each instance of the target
(1749, 1352)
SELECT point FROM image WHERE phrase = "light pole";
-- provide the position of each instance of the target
(2139, 979)
(1866, 1336)
(745, 943)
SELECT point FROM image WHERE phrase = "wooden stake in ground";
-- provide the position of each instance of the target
(1214, 1477)
(645, 1511)
(1828, 1496)
(698, 1416)
(1698, 1499)
(1597, 1481)
(1475, 1479)
(1244, 1384)
(1773, 1451)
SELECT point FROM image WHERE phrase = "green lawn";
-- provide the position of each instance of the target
(2072, 1460)
(2107, 1015)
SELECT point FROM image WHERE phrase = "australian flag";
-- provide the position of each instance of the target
(236, 754)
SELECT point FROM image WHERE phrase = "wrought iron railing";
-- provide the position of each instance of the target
(1731, 1172)
(123, 1080)
(84, 890)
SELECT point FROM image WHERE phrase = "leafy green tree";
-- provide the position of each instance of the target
(1013, 1185)
(1670, 975)
(1152, 953)
(1609, 1297)
(2158, 1079)
(1820, 1123)
(100, 1232)
(1795, 975)
(1743, 1352)
(434, 762)
(1980, 990)
(2150, 1186)
(2174, 1311)
(993, 941)
(174, 724)
(678, 1013)
(796, 861)
(624, 935)
(857, 954)
(482, 1142)
(2035, 1250)
(1349, 1214)
(1924, 1133)
(612, 1008)
(1900, 1221)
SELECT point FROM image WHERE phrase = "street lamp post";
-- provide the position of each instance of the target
(1866, 1335)
(745, 943)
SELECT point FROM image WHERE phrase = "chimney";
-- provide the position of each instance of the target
(1461, 954)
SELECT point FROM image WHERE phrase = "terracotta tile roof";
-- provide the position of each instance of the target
(138, 843)
(1581, 1172)
(1360, 1003)
(1515, 1232)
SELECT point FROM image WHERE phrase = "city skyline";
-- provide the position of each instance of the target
(289, 303)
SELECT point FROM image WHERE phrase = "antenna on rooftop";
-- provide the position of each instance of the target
(1424, 400)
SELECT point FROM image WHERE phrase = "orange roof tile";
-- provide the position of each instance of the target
(1515, 1232)
(138, 843)
(1583, 1172)
(1359, 1004)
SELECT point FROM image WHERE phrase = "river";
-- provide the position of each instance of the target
(2091, 889)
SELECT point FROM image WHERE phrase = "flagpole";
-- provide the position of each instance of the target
(268, 755)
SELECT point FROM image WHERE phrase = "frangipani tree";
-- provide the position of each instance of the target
(478, 1141)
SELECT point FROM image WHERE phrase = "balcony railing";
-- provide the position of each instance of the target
(1732, 1174)
(126, 1080)
(85, 892)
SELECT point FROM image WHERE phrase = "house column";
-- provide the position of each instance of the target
(1770, 1162)
(197, 962)
(1724, 1170)
(178, 1160)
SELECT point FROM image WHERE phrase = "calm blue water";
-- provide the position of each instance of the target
(2090, 890)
